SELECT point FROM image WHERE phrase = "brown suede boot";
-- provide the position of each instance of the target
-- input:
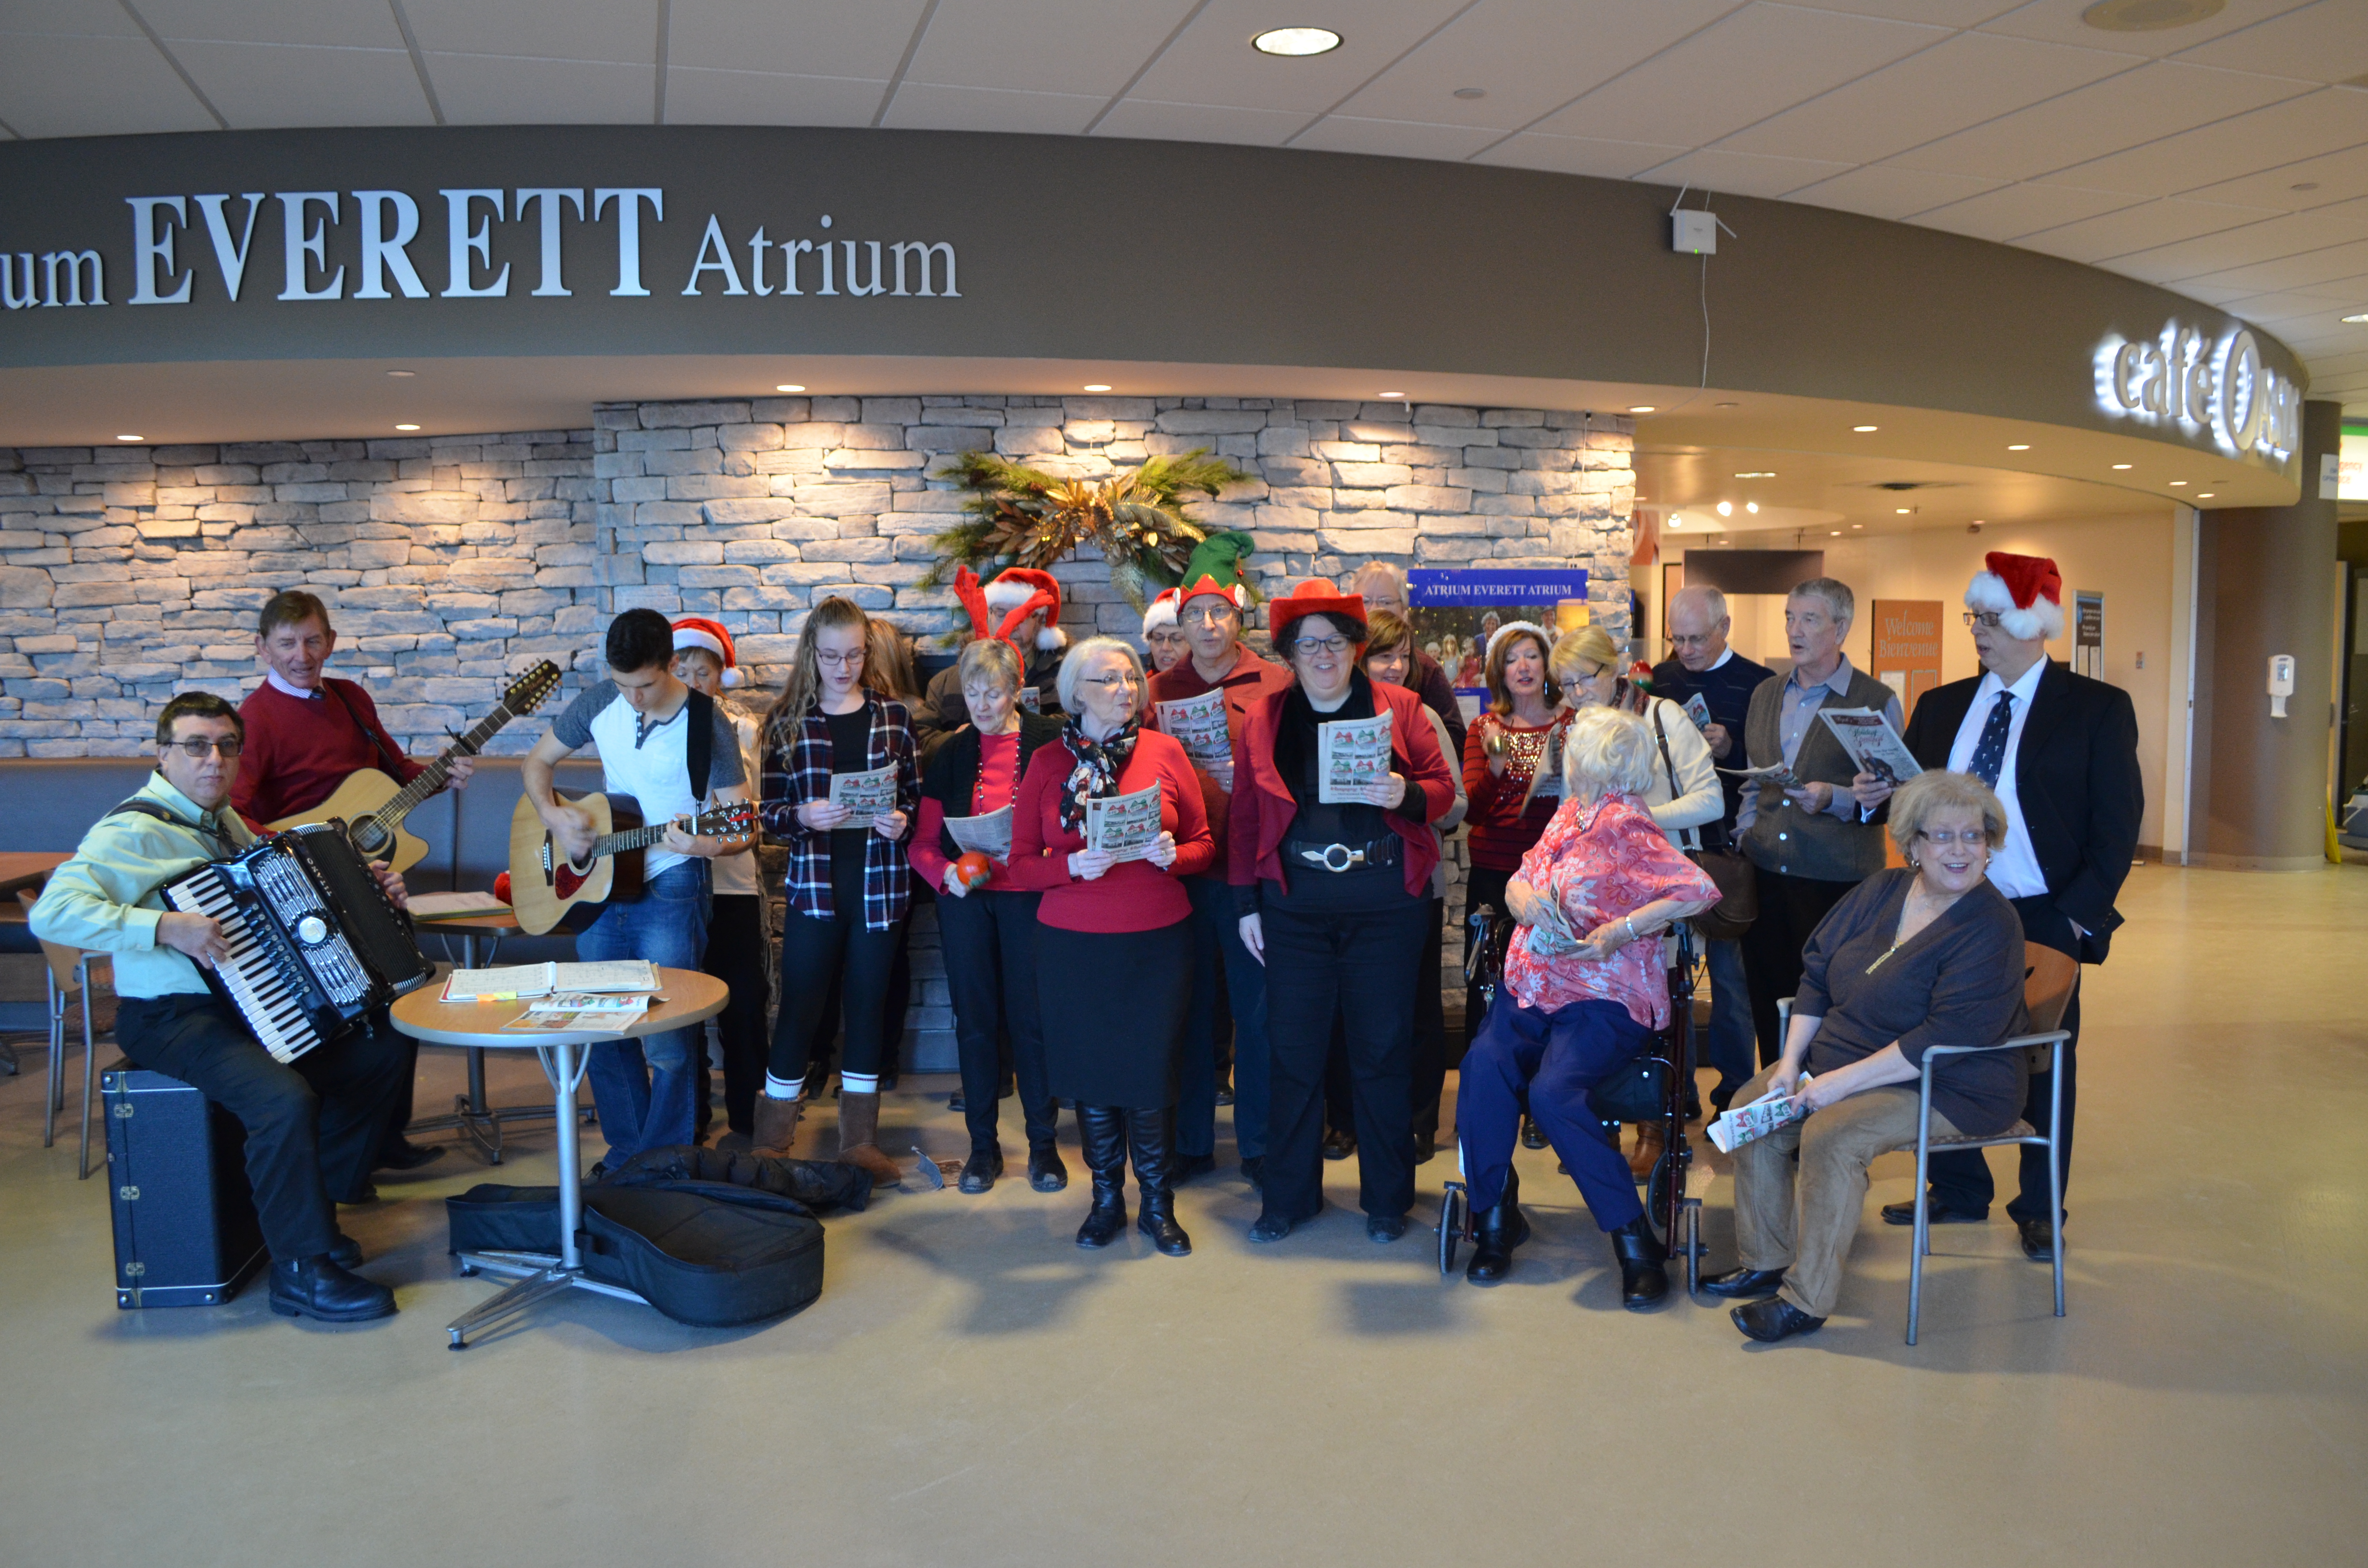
(777, 1126)
(1652, 1138)
(859, 1132)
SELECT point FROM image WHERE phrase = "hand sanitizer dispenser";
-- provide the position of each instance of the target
(2281, 673)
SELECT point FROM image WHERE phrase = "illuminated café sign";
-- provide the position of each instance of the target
(370, 245)
(2222, 389)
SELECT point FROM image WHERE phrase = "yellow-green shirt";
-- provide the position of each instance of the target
(107, 900)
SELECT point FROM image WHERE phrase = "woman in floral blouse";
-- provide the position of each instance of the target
(1585, 986)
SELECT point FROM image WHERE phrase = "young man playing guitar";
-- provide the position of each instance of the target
(656, 737)
(306, 733)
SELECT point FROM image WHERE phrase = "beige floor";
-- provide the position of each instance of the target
(972, 1389)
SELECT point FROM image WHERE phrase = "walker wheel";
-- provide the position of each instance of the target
(1454, 1212)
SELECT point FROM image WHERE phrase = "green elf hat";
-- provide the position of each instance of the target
(1215, 567)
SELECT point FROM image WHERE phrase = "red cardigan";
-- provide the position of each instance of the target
(1134, 895)
(1263, 806)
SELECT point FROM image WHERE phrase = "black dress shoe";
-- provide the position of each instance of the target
(1338, 1145)
(346, 1253)
(1269, 1228)
(1774, 1319)
(1495, 1231)
(320, 1287)
(978, 1172)
(1385, 1228)
(1045, 1171)
(1426, 1148)
(405, 1155)
(956, 1103)
(1644, 1275)
(1905, 1215)
(1187, 1167)
(1532, 1136)
(2038, 1240)
(1744, 1284)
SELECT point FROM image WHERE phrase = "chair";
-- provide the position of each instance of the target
(69, 977)
(2050, 978)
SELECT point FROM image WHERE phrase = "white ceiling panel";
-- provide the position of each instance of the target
(2318, 271)
(2332, 176)
(1966, 81)
(269, 86)
(2270, 310)
(625, 32)
(1393, 138)
(795, 37)
(1200, 122)
(2270, 241)
(2013, 210)
(1579, 155)
(1528, 56)
(763, 97)
(348, 24)
(929, 106)
(2325, 42)
(492, 90)
(1881, 191)
(92, 86)
(1941, 13)
(1212, 62)
(1746, 68)
(2138, 228)
(2121, 111)
(2058, 21)
(67, 18)
(1742, 174)
(2244, 144)
(1086, 48)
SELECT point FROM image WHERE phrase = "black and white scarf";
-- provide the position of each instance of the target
(1099, 765)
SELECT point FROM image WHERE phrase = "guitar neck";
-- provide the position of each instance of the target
(390, 816)
(643, 837)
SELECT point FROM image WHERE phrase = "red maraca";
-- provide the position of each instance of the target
(973, 869)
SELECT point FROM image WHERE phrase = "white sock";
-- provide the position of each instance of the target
(784, 1089)
(858, 1083)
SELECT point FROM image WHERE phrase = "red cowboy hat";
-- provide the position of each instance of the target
(1313, 597)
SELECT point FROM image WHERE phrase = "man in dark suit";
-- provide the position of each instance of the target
(2061, 751)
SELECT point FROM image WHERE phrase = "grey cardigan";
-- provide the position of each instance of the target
(1957, 982)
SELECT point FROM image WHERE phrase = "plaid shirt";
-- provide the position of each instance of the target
(887, 887)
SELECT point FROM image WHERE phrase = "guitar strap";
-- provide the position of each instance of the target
(699, 744)
(394, 763)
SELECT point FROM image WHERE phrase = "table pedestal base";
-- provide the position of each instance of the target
(538, 1278)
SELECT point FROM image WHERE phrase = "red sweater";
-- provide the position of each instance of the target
(1501, 831)
(1250, 679)
(1134, 895)
(299, 750)
(1264, 806)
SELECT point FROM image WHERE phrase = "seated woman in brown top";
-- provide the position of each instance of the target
(1911, 959)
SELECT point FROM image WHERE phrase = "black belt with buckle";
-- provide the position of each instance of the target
(1346, 857)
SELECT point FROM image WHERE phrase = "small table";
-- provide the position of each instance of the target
(688, 997)
(28, 869)
(475, 1121)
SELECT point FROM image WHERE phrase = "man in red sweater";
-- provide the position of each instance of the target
(305, 735)
(1209, 608)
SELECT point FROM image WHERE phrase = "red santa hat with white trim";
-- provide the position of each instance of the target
(1161, 612)
(697, 632)
(1014, 594)
(2025, 592)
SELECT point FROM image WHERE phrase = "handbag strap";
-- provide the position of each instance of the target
(1667, 766)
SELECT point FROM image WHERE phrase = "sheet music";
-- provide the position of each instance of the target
(1126, 825)
(1198, 724)
(989, 834)
(865, 795)
(1350, 754)
(611, 974)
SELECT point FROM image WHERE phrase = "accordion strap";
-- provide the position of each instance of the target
(137, 807)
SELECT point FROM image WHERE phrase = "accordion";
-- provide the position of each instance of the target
(315, 942)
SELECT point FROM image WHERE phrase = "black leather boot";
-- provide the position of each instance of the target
(319, 1288)
(1045, 1171)
(1495, 1231)
(985, 1163)
(1103, 1132)
(1152, 1139)
(1642, 1280)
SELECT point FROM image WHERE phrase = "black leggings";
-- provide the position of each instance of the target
(814, 954)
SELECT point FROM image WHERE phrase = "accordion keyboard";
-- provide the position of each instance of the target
(251, 974)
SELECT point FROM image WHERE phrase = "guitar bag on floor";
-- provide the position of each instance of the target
(821, 1185)
(708, 1254)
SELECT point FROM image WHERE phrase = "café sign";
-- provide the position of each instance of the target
(2221, 389)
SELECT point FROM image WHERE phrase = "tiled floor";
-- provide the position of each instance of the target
(972, 1389)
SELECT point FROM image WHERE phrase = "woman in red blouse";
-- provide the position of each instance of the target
(989, 930)
(1113, 935)
(1512, 745)
(1585, 986)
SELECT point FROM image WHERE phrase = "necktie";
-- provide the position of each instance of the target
(1989, 751)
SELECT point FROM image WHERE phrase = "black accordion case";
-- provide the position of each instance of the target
(186, 1234)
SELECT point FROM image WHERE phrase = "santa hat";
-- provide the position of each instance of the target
(1016, 593)
(697, 632)
(1215, 567)
(1532, 627)
(1161, 613)
(2025, 592)
(1313, 597)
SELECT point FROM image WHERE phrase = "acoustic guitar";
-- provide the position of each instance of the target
(545, 884)
(372, 805)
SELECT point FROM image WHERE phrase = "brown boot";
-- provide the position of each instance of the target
(859, 1132)
(777, 1126)
(1652, 1138)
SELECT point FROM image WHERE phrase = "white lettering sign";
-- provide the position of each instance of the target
(2217, 389)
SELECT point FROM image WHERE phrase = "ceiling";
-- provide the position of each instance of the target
(2224, 157)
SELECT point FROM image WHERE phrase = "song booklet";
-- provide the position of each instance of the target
(1198, 724)
(512, 982)
(1739, 1125)
(865, 795)
(1126, 825)
(1350, 754)
(1873, 743)
(989, 834)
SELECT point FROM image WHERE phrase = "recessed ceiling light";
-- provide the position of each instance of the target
(1726, 509)
(2176, 483)
(2205, 495)
(406, 427)
(2362, 317)
(1296, 41)
(2020, 446)
(1757, 473)
(789, 386)
(2148, 15)
(1858, 525)
(2119, 466)
(1469, 92)
(1098, 386)
(1726, 405)
(1836, 534)
(1641, 408)
(1393, 394)
(132, 437)
(1752, 507)
(1862, 429)
(1904, 511)
(402, 375)
(1678, 522)
(2304, 185)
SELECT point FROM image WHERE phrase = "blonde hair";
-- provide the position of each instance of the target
(1073, 666)
(1500, 701)
(989, 656)
(1606, 749)
(801, 693)
(1934, 791)
(888, 662)
(1588, 644)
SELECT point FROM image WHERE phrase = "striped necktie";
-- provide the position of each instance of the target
(1989, 751)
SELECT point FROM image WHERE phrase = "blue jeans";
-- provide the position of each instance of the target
(1217, 939)
(1729, 1045)
(643, 1088)
(1558, 1057)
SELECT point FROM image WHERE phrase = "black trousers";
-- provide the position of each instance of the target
(990, 950)
(1357, 963)
(821, 958)
(399, 1115)
(736, 955)
(1961, 1179)
(313, 1125)
(1790, 908)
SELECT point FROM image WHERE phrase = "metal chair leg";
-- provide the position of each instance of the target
(1923, 1209)
(89, 1072)
(2055, 1174)
(52, 1095)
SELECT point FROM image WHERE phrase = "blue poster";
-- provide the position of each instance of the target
(1456, 611)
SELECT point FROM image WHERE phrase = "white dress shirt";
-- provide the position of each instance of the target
(2014, 868)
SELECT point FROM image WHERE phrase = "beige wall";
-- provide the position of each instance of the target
(2127, 559)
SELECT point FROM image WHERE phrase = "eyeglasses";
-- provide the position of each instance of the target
(1308, 647)
(1207, 610)
(1942, 840)
(1988, 620)
(229, 747)
(1703, 640)
(1111, 683)
(838, 661)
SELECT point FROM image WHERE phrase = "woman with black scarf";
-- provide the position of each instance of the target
(1114, 943)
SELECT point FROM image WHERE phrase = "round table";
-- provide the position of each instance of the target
(684, 997)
